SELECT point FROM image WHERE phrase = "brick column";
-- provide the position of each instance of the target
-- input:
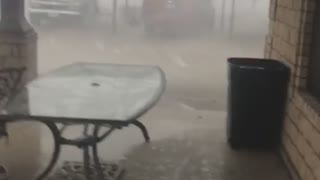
(18, 40)
(18, 48)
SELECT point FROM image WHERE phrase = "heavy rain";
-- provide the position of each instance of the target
(190, 40)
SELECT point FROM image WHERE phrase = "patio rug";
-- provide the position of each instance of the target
(72, 170)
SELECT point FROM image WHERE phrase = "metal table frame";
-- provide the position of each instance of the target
(9, 82)
(89, 141)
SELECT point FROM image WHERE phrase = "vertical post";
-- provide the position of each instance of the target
(127, 13)
(114, 16)
(127, 4)
(232, 18)
(222, 14)
(13, 17)
(18, 48)
(18, 39)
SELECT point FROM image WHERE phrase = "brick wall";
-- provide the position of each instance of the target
(289, 40)
(18, 48)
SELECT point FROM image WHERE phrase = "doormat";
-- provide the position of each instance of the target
(72, 170)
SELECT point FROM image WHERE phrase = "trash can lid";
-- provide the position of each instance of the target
(258, 63)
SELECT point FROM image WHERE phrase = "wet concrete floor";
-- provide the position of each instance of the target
(187, 127)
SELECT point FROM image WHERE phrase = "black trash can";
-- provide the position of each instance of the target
(257, 98)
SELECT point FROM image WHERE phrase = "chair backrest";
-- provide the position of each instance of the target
(10, 78)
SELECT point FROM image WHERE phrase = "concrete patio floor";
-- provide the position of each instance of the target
(193, 146)
(185, 144)
(187, 127)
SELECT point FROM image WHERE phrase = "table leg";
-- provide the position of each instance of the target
(95, 154)
(86, 155)
(57, 148)
(85, 129)
(143, 129)
(87, 162)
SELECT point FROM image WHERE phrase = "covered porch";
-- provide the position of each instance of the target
(188, 135)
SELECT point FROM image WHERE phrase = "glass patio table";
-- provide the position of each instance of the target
(89, 94)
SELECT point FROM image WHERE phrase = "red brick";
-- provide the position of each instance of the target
(300, 82)
(309, 155)
(293, 36)
(298, 4)
(275, 54)
(309, 5)
(302, 72)
(317, 173)
(311, 134)
(307, 174)
(303, 61)
(291, 129)
(294, 113)
(294, 156)
(310, 109)
(291, 31)
(285, 3)
(307, 17)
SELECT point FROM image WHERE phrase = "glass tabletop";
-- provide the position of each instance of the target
(92, 92)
